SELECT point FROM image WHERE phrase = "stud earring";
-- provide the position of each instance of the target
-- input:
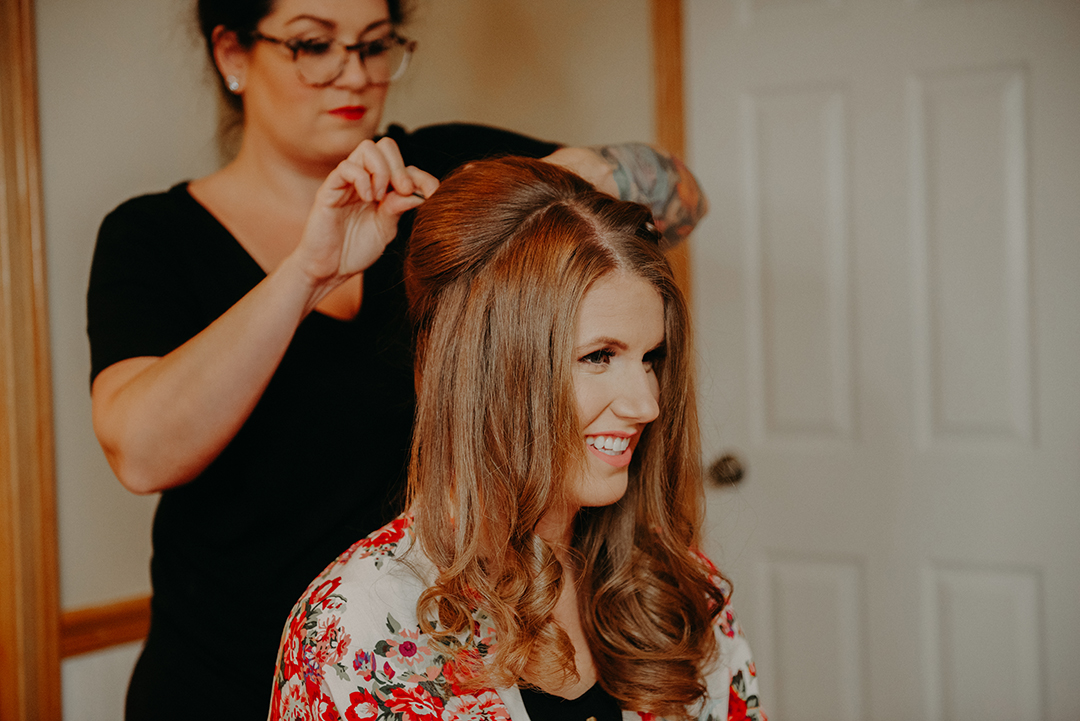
(233, 84)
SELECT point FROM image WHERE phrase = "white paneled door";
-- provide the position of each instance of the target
(887, 296)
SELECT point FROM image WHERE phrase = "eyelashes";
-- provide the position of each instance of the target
(322, 46)
(598, 357)
(603, 356)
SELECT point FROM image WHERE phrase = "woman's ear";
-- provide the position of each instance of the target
(230, 57)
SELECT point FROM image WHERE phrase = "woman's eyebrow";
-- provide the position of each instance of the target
(330, 24)
(604, 341)
(321, 21)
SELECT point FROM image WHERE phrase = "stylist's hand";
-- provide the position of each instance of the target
(356, 211)
(589, 164)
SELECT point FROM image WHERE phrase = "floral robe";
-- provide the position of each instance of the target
(353, 650)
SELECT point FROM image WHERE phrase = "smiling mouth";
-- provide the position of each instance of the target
(608, 445)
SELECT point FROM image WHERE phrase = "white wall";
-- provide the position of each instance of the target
(126, 109)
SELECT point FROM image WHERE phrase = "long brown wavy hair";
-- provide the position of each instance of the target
(499, 261)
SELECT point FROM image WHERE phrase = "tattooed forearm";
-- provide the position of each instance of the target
(661, 182)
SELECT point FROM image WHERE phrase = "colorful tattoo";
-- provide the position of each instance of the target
(660, 181)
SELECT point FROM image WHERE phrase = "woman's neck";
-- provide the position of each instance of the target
(263, 198)
(557, 528)
(568, 616)
(286, 179)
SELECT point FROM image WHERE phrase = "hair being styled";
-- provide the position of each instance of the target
(499, 261)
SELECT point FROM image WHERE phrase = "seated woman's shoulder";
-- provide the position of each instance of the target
(378, 554)
(375, 571)
(713, 572)
(343, 620)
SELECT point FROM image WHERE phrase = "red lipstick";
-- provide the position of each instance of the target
(350, 112)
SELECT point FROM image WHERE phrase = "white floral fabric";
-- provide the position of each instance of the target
(352, 650)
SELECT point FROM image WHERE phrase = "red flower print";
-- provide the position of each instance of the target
(486, 706)
(415, 704)
(362, 707)
(295, 704)
(727, 621)
(276, 704)
(379, 543)
(407, 649)
(323, 591)
(391, 532)
(465, 665)
(389, 671)
(325, 709)
(331, 643)
(706, 562)
(293, 644)
(291, 663)
(364, 663)
(736, 707)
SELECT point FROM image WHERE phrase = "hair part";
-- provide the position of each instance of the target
(500, 259)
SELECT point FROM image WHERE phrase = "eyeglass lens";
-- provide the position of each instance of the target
(322, 63)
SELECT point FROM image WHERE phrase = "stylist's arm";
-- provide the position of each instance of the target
(162, 420)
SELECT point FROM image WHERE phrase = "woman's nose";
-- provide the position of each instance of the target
(355, 73)
(638, 395)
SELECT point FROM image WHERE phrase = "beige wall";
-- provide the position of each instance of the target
(126, 109)
(122, 112)
(566, 70)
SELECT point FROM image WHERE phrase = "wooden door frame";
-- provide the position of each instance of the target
(29, 592)
(668, 102)
(30, 618)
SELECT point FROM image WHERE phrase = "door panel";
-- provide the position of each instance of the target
(887, 296)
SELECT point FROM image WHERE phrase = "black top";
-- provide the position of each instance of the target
(319, 463)
(596, 704)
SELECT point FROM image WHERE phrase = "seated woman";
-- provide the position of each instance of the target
(549, 565)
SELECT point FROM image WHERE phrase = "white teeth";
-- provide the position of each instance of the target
(611, 445)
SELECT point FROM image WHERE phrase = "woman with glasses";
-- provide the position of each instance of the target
(250, 345)
(548, 566)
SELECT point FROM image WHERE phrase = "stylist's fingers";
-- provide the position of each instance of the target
(369, 171)
(399, 177)
(378, 166)
(423, 184)
(354, 178)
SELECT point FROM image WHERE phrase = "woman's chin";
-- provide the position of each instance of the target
(604, 489)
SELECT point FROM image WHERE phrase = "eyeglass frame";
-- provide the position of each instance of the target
(292, 45)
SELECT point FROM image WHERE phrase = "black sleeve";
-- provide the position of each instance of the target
(136, 303)
(439, 149)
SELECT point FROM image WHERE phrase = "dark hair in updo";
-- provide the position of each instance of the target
(241, 17)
